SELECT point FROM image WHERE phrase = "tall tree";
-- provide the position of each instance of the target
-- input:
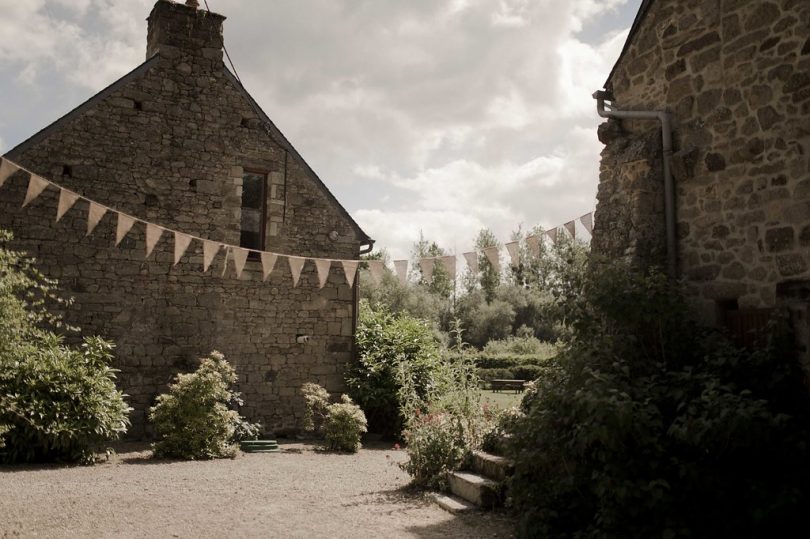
(488, 276)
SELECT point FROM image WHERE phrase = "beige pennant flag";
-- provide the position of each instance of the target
(426, 264)
(570, 226)
(376, 268)
(494, 257)
(472, 261)
(7, 168)
(239, 259)
(533, 243)
(153, 234)
(350, 270)
(296, 266)
(94, 215)
(125, 223)
(210, 250)
(401, 267)
(514, 252)
(587, 222)
(552, 234)
(35, 187)
(181, 243)
(268, 263)
(66, 201)
(449, 263)
(323, 266)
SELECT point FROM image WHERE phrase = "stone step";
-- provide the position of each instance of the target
(276, 450)
(476, 489)
(452, 504)
(491, 466)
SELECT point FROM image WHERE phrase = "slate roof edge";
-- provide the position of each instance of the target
(637, 22)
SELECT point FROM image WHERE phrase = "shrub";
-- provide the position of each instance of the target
(647, 426)
(436, 446)
(496, 374)
(345, 423)
(57, 402)
(193, 420)
(316, 399)
(520, 346)
(527, 372)
(391, 348)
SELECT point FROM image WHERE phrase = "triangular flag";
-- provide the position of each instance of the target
(239, 259)
(587, 222)
(493, 255)
(66, 201)
(7, 168)
(376, 267)
(296, 265)
(472, 261)
(533, 243)
(402, 270)
(181, 243)
(570, 226)
(449, 263)
(94, 215)
(153, 234)
(35, 187)
(268, 263)
(210, 250)
(350, 270)
(426, 264)
(323, 266)
(514, 252)
(125, 223)
(552, 234)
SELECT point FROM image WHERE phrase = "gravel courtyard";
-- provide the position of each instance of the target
(300, 492)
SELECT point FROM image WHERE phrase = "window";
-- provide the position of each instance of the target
(254, 206)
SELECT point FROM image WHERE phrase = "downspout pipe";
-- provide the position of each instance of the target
(367, 247)
(669, 182)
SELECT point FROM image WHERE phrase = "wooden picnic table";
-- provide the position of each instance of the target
(517, 385)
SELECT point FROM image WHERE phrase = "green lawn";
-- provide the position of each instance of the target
(500, 399)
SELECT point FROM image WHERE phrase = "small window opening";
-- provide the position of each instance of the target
(254, 211)
(67, 171)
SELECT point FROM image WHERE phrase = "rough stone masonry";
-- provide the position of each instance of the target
(169, 143)
(735, 76)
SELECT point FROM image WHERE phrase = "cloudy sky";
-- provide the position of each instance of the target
(443, 116)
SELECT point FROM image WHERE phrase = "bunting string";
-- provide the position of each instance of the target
(182, 241)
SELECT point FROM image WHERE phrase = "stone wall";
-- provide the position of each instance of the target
(735, 76)
(168, 144)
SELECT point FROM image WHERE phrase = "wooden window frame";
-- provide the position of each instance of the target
(263, 226)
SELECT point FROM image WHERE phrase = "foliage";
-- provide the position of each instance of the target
(441, 432)
(193, 420)
(498, 428)
(316, 399)
(57, 402)
(516, 372)
(391, 348)
(643, 422)
(520, 346)
(344, 425)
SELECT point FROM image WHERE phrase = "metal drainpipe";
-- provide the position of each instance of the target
(669, 183)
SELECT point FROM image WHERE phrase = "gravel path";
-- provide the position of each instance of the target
(300, 492)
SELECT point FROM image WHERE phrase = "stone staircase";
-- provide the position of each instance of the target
(480, 486)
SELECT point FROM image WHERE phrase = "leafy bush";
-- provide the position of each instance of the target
(391, 348)
(520, 346)
(496, 374)
(527, 372)
(436, 446)
(344, 425)
(57, 402)
(193, 420)
(499, 425)
(316, 399)
(646, 426)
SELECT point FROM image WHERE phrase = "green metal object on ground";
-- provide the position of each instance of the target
(259, 446)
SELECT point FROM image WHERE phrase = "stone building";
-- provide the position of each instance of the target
(180, 143)
(732, 78)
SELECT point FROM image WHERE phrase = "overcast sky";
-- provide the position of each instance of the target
(440, 116)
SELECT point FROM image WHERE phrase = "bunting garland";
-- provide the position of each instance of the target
(67, 200)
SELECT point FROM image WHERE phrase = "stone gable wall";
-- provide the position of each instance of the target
(736, 77)
(170, 147)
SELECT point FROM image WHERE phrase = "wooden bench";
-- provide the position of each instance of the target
(517, 385)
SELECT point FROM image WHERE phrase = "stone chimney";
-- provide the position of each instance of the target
(177, 30)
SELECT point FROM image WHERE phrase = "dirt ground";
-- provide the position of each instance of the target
(300, 492)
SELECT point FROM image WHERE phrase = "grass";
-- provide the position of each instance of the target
(500, 399)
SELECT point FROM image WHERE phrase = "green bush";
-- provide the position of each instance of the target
(506, 361)
(646, 426)
(391, 348)
(316, 399)
(344, 425)
(496, 374)
(520, 346)
(436, 446)
(57, 402)
(193, 420)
